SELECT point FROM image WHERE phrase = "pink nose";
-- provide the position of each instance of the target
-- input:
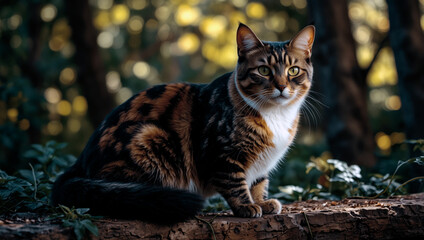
(281, 87)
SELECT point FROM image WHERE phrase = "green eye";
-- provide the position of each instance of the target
(293, 71)
(264, 71)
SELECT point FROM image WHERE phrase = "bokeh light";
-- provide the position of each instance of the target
(120, 14)
(102, 20)
(14, 21)
(24, 124)
(135, 25)
(74, 125)
(12, 114)
(393, 103)
(67, 76)
(256, 10)
(189, 43)
(137, 4)
(105, 39)
(113, 81)
(141, 69)
(187, 15)
(64, 108)
(52, 95)
(383, 141)
(213, 26)
(104, 4)
(48, 12)
(54, 127)
(79, 105)
(383, 71)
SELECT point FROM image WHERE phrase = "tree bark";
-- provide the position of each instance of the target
(407, 41)
(340, 78)
(398, 218)
(91, 74)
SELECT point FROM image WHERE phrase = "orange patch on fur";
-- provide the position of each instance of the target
(257, 191)
(107, 138)
(142, 148)
(111, 167)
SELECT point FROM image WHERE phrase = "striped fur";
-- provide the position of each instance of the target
(169, 146)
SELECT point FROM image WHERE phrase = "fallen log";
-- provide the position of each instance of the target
(393, 218)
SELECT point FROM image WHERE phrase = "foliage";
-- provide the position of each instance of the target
(78, 219)
(216, 204)
(29, 191)
(337, 180)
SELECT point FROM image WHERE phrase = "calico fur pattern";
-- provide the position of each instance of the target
(156, 156)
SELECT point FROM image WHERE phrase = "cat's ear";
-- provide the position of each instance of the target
(246, 39)
(304, 40)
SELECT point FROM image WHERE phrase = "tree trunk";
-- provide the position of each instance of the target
(398, 218)
(407, 41)
(338, 74)
(91, 74)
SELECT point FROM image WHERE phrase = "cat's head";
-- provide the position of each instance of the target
(274, 73)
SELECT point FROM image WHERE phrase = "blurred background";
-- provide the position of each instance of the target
(65, 64)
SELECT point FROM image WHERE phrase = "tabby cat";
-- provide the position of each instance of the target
(156, 156)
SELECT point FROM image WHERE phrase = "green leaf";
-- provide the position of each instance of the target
(61, 145)
(27, 175)
(90, 226)
(38, 147)
(79, 230)
(420, 160)
(51, 143)
(60, 162)
(31, 154)
(82, 211)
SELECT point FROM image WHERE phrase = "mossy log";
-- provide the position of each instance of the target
(401, 217)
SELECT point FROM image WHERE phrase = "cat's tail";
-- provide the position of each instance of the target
(157, 205)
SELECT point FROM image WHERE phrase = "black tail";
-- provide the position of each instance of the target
(127, 200)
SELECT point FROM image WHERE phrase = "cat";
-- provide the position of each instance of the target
(159, 154)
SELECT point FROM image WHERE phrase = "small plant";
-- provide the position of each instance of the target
(29, 190)
(78, 219)
(339, 180)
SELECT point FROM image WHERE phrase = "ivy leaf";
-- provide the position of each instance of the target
(38, 147)
(60, 146)
(419, 160)
(31, 154)
(90, 226)
(82, 211)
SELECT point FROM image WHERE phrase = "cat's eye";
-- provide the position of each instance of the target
(264, 71)
(293, 71)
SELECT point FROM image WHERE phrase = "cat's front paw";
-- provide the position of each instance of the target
(270, 206)
(248, 211)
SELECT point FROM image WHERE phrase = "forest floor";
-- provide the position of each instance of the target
(400, 217)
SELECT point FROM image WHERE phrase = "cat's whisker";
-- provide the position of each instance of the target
(317, 101)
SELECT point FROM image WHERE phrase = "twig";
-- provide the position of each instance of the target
(309, 226)
(400, 164)
(410, 180)
(209, 224)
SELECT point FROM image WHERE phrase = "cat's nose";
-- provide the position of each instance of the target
(281, 87)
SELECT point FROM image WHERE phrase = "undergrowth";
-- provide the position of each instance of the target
(29, 189)
(337, 180)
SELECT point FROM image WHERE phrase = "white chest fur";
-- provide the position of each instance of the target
(279, 120)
